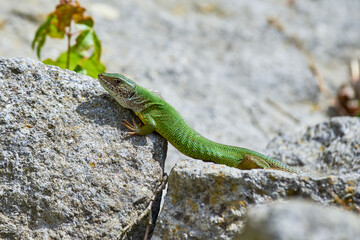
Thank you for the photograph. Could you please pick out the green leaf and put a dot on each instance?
(47, 28)
(75, 59)
(97, 46)
(49, 61)
(39, 38)
(80, 70)
(53, 30)
(93, 67)
(88, 21)
(84, 41)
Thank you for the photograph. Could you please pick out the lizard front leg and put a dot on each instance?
(138, 129)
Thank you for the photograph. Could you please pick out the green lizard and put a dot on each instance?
(158, 115)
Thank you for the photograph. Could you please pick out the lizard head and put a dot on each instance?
(121, 88)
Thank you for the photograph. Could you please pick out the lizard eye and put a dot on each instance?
(117, 81)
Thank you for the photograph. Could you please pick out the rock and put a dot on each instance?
(300, 220)
(66, 170)
(209, 201)
(331, 147)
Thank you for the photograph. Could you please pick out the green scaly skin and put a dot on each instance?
(157, 115)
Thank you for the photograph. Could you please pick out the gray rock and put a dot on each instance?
(331, 147)
(215, 197)
(66, 170)
(298, 221)
(209, 201)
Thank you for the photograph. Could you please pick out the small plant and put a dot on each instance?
(84, 55)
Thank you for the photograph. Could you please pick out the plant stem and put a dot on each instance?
(68, 47)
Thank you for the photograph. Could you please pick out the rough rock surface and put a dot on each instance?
(209, 201)
(66, 171)
(331, 147)
(300, 220)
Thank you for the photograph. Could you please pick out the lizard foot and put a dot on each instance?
(133, 127)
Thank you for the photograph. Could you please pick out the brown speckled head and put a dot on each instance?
(121, 88)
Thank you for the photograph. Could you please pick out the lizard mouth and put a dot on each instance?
(110, 83)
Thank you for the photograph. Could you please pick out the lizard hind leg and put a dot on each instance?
(250, 161)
